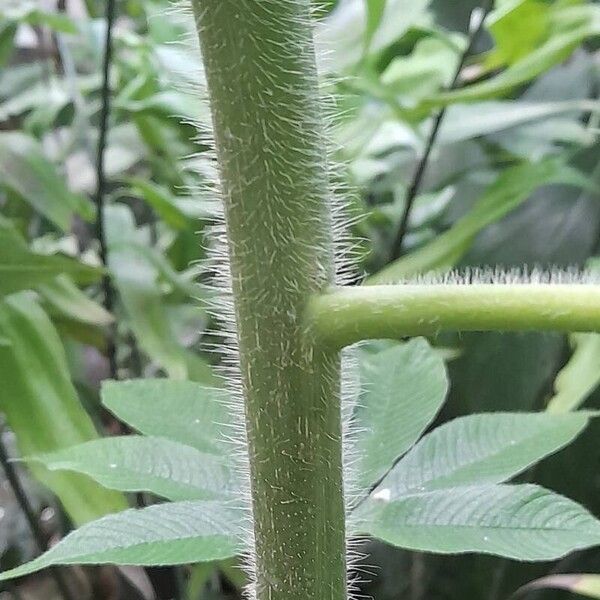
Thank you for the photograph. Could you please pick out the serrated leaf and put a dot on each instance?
(479, 450)
(524, 522)
(182, 411)
(163, 534)
(405, 387)
(41, 404)
(139, 463)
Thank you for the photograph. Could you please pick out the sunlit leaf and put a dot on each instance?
(340, 37)
(518, 27)
(558, 47)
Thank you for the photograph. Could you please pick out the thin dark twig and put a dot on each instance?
(107, 287)
(32, 520)
(421, 168)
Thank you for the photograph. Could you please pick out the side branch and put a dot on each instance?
(344, 316)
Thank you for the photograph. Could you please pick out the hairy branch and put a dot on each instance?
(347, 315)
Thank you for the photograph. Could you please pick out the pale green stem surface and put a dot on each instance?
(344, 316)
(260, 70)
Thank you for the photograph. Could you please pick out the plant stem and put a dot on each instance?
(31, 517)
(107, 287)
(415, 185)
(348, 315)
(262, 82)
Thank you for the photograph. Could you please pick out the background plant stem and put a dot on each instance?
(107, 287)
(31, 517)
(415, 185)
(260, 69)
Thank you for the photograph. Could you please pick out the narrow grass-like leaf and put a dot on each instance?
(556, 49)
(41, 404)
(31, 176)
(375, 10)
(524, 522)
(182, 411)
(584, 584)
(136, 276)
(64, 298)
(580, 376)
(405, 387)
(163, 534)
(478, 450)
(510, 190)
(140, 463)
(22, 269)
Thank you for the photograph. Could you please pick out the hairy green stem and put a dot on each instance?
(344, 316)
(261, 76)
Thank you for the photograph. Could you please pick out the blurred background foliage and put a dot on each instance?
(510, 178)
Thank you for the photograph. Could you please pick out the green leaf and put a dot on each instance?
(580, 376)
(405, 387)
(63, 297)
(28, 173)
(182, 411)
(511, 189)
(161, 201)
(578, 583)
(151, 464)
(429, 67)
(518, 27)
(136, 279)
(41, 404)
(463, 122)
(28, 11)
(559, 45)
(524, 522)
(478, 450)
(22, 269)
(8, 31)
(163, 534)
(375, 10)
(340, 37)
(56, 21)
